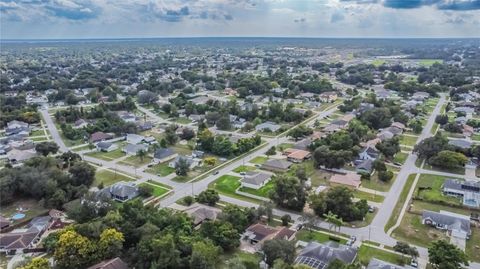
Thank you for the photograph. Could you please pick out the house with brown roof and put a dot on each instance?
(17, 241)
(297, 155)
(277, 165)
(200, 213)
(350, 180)
(99, 136)
(115, 263)
(257, 234)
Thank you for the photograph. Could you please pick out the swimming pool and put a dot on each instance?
(18, 216)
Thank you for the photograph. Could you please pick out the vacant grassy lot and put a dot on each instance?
(400, 157)
(429, 188)
(161, 169)
(400, 202)
(244, 168)
(284, 146)
(376, 184)
(109, 177)
(408, 140)
(312, 235)
(259, 160)
(107, 156)
(137, 161)
(263, 191)
(368, 196)
(158, 190)
(366, 253)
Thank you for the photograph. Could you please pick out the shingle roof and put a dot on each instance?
(256, 178)
(452, 222)
(163, 153)
(378, 264)
(115, 263)
(326, 253)
(277, 164)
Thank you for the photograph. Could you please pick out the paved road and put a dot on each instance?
(53, 131)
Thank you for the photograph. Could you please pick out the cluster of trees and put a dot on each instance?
(222, 146)
(361, 74)
(300, 132)
(146, 237)
(16, 108)
(289, 192)
(438, 152)
(46, 179)
(339, 201)
(410, 87)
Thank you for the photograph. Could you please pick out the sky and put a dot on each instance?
(57, 19)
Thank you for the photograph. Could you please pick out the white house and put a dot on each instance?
(255, 180)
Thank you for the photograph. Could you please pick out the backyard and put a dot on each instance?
(108, 177)
(161, 169)
(107, 156)
(429, 188)
(158, 190)
(136, 161)
(227, 185)
(259, 160)
(366, 253)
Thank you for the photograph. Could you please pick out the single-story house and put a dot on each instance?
(455, 224)
(351, 180)
(17, 127)
(420, 96)
(255, 180)
(257, 234)
(106, 146)
(267, 126)
(328, 96)
(297, 155)
(163, 155)
(277, 165)
(121, 191)
(80, 123)
(364, 166)
(19, 156)
(461, 143)
(200, 213)
(469, 191)
(99, 136)
(134, 138)
(303, 144)
(18, 240)
(319, 256)
(144, 125)
(192, 162)
(115, 263)
(132, 149)
(369, 153)
(378, 264)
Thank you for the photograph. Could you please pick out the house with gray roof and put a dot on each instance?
(200, 213)
(364, 166)
(378, 264)
(456, 225)
(255, 180)
(121, 191)
(461, 143)
(133, 149)
(106, 146)
(277, 165)
(267, 126)
(164, 154)
(191, 161)
(468, 191)
(319, 256)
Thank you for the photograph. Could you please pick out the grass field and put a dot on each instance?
(408, 140)
(259, 160)
(108, 178)
(376, 184)
(227, 185)
(107, 156)
(160, 169)
(249, 260)
(473, 245)
(429, 188)
(401, 200)
(366, 253)
(244, 168)
(307, 236)
(412, 230)
(400, 157)
(158, 190)
(378, 62)
(136, 161)
(263, 191)
(429, 62)
(368, 196)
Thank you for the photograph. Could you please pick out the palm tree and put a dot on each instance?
(333, 220)
(141, 154)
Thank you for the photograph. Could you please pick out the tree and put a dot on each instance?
(279, 249)
(237, 216)
(221, 233)
(111, 243)
(74, 251)
(188, 200)
(210, 161)
(441, 119)
(157, 252)
(271, 151)
(431, 146)
(170, 136)
(443, 255)
(299, 132)
(187, 134)
(448, 159)
(147, 97)
(339, 201)
(286, 219)
(37, 263)
(385, 176)
(389, 147)
(406, 249)
(416, 126)
(82, 173)
(334, 220)
(46, 148)
(141, 154)
(182, 167)
(204, 255)
(223, 123)
(288, 192)
(209, 197)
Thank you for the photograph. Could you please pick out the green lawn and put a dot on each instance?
(263, 191)
(259, 160)
(378, 62)
(376, 184)
(413, 231)
(244, 168)
(81, 148)
(158, 191)
(183, 120)
(227, 185)
(476, 137)
(161, 169)
(430, 62)
(37, 133)
(366, 253)
(400, 202)
(429, 188)
(368, 196)
(249, 260)
(136, 161)
(107, 156)
(312, 235)
(284, 146)
(400, 157)
(473, 245)
(108, 178)
(408, 140)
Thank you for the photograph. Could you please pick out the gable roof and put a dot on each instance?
(163, 153)
(349, 179)
(135, 148)
(277, 164)
(378, 264)
(318, 255)
(115, 263)
(448, 219)
(104, 145)
(200, 213)
(256, 178)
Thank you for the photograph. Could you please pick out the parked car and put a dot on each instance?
(371, 209)
(243, 173)
(216, 172)
(414, 263)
